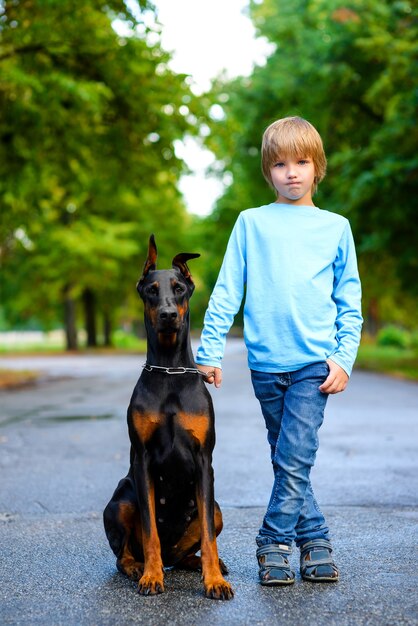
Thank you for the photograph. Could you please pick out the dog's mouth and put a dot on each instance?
(167, 339)
(167, 331)
(168, 328)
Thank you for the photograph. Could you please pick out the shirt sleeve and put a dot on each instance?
(347, 297)
(225, 300)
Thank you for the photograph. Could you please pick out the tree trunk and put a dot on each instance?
(70, 320)
(373, 317)
(107, 330)
(89, 302)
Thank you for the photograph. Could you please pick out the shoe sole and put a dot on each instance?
(277, 583)
(318, 579)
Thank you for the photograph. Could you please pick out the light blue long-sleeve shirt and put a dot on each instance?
(303, 294)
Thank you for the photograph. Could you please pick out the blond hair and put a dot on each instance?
(294, 137)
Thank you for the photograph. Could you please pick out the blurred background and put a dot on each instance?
(123, 118)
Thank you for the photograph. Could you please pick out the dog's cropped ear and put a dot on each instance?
(150, 263)
(180, 261)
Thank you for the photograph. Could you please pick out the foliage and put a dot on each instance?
(127, 341)
(388, 360)
(414, 340)
(88, 121)
(393, 336)
(351, 69)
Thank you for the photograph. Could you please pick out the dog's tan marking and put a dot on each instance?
(182, 309)
(151, 261)
(167, 340)
(146, 424)
(127, 562)
(129, 518)
(126, 513)
(215, 584)
(195, 424)
(152, 580)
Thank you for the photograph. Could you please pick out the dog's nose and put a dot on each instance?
(167, 315)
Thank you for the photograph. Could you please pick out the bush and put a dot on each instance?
(127, 341)
(414, 340)
(394, 336)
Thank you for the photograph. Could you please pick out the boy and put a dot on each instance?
(302, 323)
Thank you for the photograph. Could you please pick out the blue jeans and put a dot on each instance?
(293, 409)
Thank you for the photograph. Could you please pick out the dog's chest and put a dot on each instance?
(172, 417)
(171, 427)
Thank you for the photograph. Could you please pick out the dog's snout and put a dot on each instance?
(168, 315)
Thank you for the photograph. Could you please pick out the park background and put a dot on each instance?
(91, 118)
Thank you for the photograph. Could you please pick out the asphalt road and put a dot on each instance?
(64, 446)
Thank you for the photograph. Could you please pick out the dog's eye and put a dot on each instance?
(152, 291)
(178, 289)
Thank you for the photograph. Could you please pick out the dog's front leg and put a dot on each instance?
(152, 580)
(216, 586)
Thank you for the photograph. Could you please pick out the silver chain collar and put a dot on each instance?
(174, 370)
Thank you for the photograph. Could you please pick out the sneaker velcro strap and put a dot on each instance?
(314, 545)
(274, 548)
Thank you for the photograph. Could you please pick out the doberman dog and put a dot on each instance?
(164, 510)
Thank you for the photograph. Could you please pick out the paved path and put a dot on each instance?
(64, 446)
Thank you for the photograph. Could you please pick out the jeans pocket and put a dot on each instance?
(326, 370)
(262, 384)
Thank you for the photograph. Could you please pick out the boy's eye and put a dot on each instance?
(279, 164)
(303, 161)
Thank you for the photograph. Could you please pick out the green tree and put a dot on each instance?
(87, 164)
(351, 69)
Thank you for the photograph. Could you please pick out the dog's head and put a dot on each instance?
(166, 293)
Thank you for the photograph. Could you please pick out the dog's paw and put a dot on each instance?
(150, 585)
(219, 589)
(130, 568)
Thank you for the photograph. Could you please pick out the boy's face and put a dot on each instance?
(293, 179)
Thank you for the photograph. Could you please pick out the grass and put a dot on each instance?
(48, 344)
(399, 362)
(9, 379)
(30, 348)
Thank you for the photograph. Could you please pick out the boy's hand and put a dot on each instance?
(213, 374)
(336, 380)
